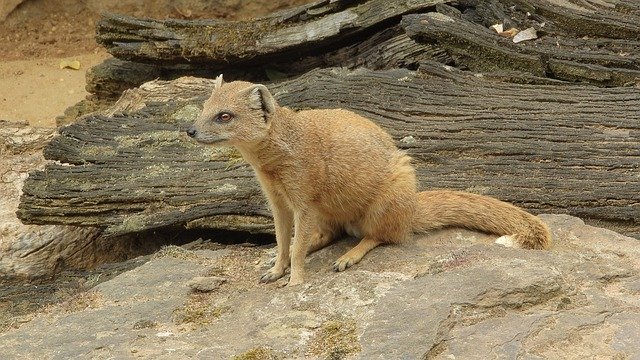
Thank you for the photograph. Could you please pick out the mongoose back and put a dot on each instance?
(325, 172)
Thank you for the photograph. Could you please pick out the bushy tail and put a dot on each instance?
(444, 208)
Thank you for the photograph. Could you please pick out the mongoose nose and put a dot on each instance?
(191, 132)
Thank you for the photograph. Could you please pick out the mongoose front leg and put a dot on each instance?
(304, 229)
(283, 219)
(356, 254)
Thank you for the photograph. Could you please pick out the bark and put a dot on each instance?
(282, 34)
(593, 42)
(384, 49)
(549, 148)
(603, 62)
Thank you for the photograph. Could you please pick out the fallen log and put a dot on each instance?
(603, 62)
(385, 49)
(279, 35)
(594, 42)
(549, 148)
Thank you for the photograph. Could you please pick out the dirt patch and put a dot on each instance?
(37, 91)
(38, 34)
(60, 28)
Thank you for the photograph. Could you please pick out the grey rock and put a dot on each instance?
(452, 294)
(33, 250)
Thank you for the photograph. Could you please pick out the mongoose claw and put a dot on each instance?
(271, 276)
(342, 264)
(271, 262)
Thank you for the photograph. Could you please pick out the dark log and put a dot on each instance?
(385, 49)
(549, 148)
(594, 42)
(289, 33)
(603, 62)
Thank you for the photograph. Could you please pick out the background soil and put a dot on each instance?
(38, 34)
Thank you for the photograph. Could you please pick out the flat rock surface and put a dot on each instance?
(449, 294)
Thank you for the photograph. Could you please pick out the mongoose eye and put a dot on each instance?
(224, 117)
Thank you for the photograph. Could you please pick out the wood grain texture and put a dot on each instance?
(600, 61)
(595, 42)
(301, 30)
(548, 148)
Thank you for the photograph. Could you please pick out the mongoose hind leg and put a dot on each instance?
(389, 216)
(322, 237)
(356, 254)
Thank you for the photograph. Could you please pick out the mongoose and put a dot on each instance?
(325, 172)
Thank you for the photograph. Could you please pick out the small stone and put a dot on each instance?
(206, 283)
(408, 140)
(526, 34)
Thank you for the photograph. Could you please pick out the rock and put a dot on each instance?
(205, 283)
(27, 250)
(30, 251)
(451, 294)
(6, 7)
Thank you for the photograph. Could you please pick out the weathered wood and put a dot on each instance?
(216, 42)
(114, 76)
(586, 18)
(570, 149)
(596, 42)
(603, 62)
(385, 49)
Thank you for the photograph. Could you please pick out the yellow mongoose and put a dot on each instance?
(329, 171)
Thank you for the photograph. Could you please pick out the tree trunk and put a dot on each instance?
(548, 148)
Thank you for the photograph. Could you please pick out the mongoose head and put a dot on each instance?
(237, 113)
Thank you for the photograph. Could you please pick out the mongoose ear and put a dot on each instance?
(261, 99)
(217, 82)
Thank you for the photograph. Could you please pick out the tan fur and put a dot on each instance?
(329, 171)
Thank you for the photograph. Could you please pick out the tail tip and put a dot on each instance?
(508, 241)
(513, 241)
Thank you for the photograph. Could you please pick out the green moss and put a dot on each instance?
(187, 113)
(132, 224)
(98, 151)
(334, 340)
(259, 353)
(198, 310)
(217, 39)
(176, 252)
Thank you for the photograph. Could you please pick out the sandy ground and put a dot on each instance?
(38, 90)
(37, 34)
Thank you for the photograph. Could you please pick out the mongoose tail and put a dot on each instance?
(444, 208)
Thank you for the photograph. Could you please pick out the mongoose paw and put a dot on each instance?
(271, 262)
(271, 275)
(343, 263)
